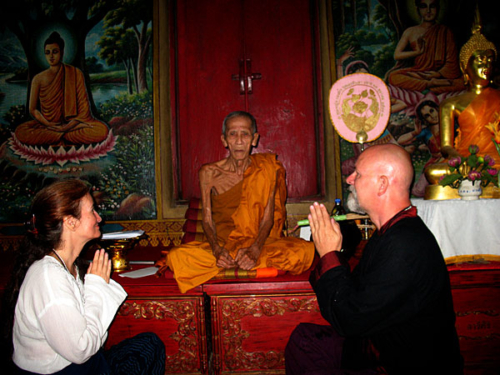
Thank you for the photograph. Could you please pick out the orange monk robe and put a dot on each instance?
(237, 214)
(472, 131)
(63, 100)
(440, 55)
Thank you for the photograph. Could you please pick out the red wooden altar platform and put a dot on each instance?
(242, 326)
(251, 321)
(156, 305)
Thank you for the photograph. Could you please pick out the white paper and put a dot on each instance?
(143, 272)
(305, 233)
(122, 235)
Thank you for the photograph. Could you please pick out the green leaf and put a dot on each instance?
(472, 161)
(449, 179)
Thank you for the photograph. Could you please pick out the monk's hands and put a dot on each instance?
(247, 257)
(325, 231)
(101, 265)
(224, 260)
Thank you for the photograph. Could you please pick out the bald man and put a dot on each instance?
(395, 308)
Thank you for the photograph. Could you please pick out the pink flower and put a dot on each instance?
(489, 160)
(473, 149)
(492, 171)
(455, 161)
(474, 175)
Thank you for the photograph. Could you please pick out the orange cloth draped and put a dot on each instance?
(63, 100)
(472, 131)
(440, 55)
(239, 212)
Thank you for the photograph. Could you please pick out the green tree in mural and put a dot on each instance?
(120, 46)
(25, 18)
(383, 23)
(354, 12)
(390, 9)
(93, 65)
(135, 15)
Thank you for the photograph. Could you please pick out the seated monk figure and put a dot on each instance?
(59, 105)
(426, 55)
(468, 114)
(243, 198)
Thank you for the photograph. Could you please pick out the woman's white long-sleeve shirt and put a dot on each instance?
(58, 319)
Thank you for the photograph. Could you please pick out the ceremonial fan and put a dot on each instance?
(360, 107)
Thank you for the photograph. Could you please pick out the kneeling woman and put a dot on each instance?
(58, 318)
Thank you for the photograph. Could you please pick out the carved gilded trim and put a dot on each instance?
(232, 335)
(190, 334)
(163, 233)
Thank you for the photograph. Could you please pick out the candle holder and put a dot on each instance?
(118, 244)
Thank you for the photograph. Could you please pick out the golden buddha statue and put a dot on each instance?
(471, 111)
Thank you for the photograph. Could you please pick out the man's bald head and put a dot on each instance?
(392, 161)
(382, 180)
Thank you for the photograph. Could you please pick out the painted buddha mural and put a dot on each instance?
(60, 108)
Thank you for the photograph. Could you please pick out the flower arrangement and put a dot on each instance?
(473, 168)
(494, 128)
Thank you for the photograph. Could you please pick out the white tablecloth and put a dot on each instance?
(465, 230)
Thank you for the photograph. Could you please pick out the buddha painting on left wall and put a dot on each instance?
(76, 100)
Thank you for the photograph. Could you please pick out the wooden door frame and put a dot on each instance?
(168, 208)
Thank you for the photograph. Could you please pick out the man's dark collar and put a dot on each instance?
(410, 211)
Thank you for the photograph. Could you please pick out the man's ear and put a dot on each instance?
(383, 185)
(223, 139)
(255, 139)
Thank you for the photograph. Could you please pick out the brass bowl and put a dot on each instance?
(118, 251)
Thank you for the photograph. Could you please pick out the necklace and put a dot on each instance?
(75, 278)
(61, 261)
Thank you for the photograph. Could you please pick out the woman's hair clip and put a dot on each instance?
(31, 226)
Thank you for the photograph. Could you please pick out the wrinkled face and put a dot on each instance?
(427, 9)
(480, 65)
(239, 138)
(53, 54)
(88, 224)
(430, 114)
